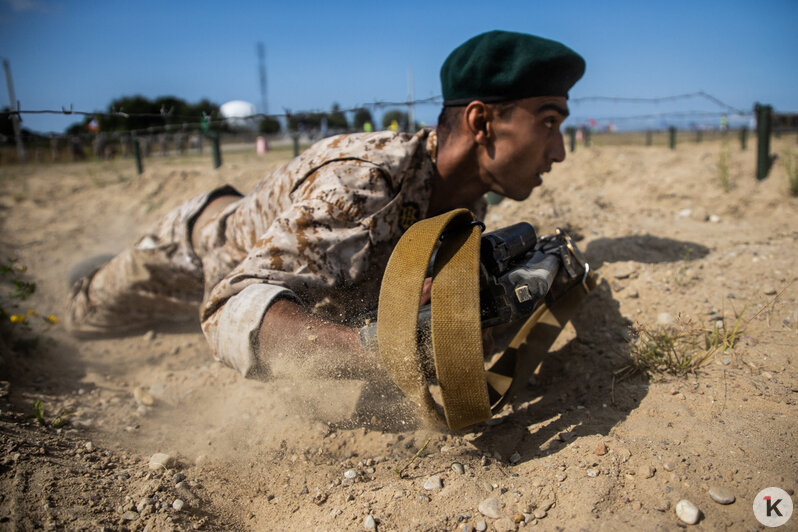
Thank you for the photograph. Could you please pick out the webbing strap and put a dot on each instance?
(456, 332)
(469, 393)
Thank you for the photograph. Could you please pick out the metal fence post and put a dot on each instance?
(137, 155)
(763, 124)
(648, 137)
(672, 135)
(217, 150)
(743, 138)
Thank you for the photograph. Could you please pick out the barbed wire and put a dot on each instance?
(664, 99)
(187, 124)
(652, 116)
(437, 100)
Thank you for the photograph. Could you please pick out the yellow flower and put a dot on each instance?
(32, 312)
(52, 319)
(18, 318)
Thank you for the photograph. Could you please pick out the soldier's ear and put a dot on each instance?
(477, 117)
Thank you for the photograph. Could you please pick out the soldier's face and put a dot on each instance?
(524, 144)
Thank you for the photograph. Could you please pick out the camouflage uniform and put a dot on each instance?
(318, 230)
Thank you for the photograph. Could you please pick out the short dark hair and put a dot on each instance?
(451, 114)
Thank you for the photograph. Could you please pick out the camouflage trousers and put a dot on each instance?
(157, 281)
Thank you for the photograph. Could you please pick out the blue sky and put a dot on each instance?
(85, 54)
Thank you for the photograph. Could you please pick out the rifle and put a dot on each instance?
(519, 271)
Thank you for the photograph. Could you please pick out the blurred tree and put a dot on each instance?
(336, 119)
(304, 121)
(362, 115)
(140, 105)
(269, 126)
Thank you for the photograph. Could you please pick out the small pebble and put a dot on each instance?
(178, 504)
(433, 483)
(721, 495)
(179, 477)
(89, 446)
(668, 466)
(130, 515)
(561, 477)
(646, 471)
(161, 461)
(143, 503)
(481, 526)
(592, 473)
(457, 467)
(688, 512)
(515, 458)
(490, 508)
(370, 523)
(350, 473)
(540, 513)
(601, 448)
(714, 218)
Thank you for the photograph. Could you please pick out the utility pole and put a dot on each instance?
(14, 107)
(264, 105)
(410, 119)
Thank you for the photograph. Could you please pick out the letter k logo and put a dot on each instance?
(772, 507)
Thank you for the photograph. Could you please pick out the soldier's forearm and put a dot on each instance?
(311, 344)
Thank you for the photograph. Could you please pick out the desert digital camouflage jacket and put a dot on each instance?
(319, 229)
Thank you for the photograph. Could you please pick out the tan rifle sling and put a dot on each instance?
(469, 393)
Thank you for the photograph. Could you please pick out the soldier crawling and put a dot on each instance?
(308, 247)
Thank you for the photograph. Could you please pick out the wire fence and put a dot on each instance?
(190, 133)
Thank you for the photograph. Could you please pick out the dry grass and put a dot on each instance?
(680, 350)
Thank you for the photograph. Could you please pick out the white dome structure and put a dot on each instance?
(235, 113)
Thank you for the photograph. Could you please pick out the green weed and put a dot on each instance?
(791, 165)
(679, 350)
(724, 175)
(56, 422)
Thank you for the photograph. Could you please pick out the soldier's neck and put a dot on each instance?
(457, 183)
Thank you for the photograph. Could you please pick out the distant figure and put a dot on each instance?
(368, 127)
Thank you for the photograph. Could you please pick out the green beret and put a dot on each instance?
(501, 65)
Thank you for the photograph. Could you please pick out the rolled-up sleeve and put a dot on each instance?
(323, 242)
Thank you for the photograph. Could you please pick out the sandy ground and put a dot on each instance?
(578, 450)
